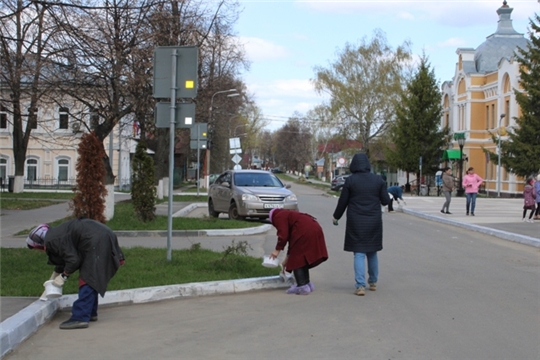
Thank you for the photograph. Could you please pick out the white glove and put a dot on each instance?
(59, 280)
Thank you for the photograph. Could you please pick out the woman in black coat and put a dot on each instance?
(87, 246)
(362, 195)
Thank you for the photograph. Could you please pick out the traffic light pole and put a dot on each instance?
(172, 128)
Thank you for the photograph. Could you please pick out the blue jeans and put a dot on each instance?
(360, 268)
(471, 201)
(86, 305)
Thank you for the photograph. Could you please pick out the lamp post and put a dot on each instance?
(460, 137)
(499, 157)
(206, 169)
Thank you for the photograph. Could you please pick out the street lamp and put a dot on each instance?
(460, 137)
(206, 169)
(499, 157)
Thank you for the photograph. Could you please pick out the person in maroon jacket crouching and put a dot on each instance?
(87, 246)
(307, 247)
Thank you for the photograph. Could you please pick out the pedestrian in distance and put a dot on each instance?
(447, 188)
(471, 183)
(396, 193)
(87, 246)
(529, 200)
(537, 192)
(306, 246)
(362, 196)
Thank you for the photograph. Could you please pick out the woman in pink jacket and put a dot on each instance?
(471, 183)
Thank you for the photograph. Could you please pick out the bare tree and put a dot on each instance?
(208, 26)
(26, 35)
(293, 142)
(364, 83)
(101, 41)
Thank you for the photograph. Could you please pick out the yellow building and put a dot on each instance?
(480, 102)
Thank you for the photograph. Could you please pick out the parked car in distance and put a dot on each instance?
(276, 171)
(249, 193)
(337, 182)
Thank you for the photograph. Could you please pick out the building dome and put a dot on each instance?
(502, 44)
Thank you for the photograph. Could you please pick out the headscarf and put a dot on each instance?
(36, 238)
(271, 213)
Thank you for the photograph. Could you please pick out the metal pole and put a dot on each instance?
(198, 159)
(120, 156)
(499, 166)
(499, 157)
(171, 151)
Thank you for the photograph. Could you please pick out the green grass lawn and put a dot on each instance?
(126, 219)
(23, 271)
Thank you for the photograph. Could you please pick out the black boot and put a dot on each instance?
(302, 276)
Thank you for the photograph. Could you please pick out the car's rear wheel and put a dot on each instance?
(211, 211)
(233, 212)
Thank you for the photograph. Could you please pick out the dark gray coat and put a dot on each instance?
(88, 246)
(362, 195)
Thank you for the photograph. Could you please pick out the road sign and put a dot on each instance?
(234, 143)
(187, 62)
(236, 159)
(341, 161)
(201, 144)
(199, 131)
(184, 114)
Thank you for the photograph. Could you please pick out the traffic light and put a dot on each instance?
(199, 131)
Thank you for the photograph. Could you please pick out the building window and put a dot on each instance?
(94, 119)
(493, 123)
(487, 117)
(3, 169)
(31, 169)
(3, 117)
(507, 112)
(63, 169)
(63, 118)
(32, 117)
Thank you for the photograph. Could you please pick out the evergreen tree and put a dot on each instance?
(416, 131)
(520, 154)
(90, 192)
(143, 191)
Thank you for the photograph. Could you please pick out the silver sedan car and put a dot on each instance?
(249, 193)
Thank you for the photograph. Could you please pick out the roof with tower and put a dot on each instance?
(501, 44)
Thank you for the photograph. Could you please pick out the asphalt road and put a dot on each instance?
(443, 293)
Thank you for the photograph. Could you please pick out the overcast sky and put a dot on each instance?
(285, 40)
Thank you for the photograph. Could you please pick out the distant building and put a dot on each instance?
(481, 90)
(52, 155)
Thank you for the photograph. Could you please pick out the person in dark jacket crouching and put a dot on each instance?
(306, 246)
(85, 245)
(362, 195)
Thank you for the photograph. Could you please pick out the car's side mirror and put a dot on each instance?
(287, 186)
(226, 184)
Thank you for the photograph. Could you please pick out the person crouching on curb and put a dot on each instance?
(85, 245)
(307, 247)
(397, 194)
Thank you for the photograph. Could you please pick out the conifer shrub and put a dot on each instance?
(90, 192)
(143, 191)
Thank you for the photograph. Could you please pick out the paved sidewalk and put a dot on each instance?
(23, 316)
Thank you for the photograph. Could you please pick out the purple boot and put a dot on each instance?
(311, 286)
(303, 290)
(291, 290)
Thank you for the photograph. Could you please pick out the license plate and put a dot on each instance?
(273, 206)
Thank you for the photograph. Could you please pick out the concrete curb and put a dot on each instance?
(26, 322)
(522, 239)
(221, 232)
(185, 211)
